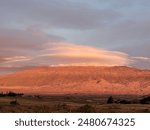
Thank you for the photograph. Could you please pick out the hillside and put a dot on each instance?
(93, 80)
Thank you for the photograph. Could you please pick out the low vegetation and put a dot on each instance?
(16, 102)
(11, 94)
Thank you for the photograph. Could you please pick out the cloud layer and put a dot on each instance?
(72, 54)
(24, 48)
(74, 32)
(54, 14)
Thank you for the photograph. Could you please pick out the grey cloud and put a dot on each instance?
(55, 13)
(18, 47)
(22, 42)
(129, 36)
(127, 32)
(140, 50)
(143, 63)
(2, 59)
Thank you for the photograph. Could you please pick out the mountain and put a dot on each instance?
(82, 80)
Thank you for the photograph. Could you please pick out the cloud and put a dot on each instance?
(141, 62)
(23, 42)
(141, 58)
(18, 47)
(120, 25)
(73, 54)
(54, 14)
(24, 48)
(65, 53)
(16, 59)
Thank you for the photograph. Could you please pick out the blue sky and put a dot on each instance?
(44, 32)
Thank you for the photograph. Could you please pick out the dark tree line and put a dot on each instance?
(144, 100)
(11, 94)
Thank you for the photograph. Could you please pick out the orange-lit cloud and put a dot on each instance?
(16, 59)
(25, 49)
(73, 54)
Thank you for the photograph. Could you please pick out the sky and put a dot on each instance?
(74, 32)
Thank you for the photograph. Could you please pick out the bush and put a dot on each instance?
(2, 95)
(12, 94)
(110, 100)
(14, 102)
(145, 100)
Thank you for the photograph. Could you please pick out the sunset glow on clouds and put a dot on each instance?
(45, 50)
(73, 54)
(87, 33)
(58, 52)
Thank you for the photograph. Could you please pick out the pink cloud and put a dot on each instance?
(73, 54)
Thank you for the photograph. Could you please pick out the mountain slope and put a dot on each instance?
(100, 80)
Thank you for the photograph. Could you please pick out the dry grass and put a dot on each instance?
(70, 103)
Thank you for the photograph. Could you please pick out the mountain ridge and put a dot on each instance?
(78, 79)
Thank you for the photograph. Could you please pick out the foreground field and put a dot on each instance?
(72, 103)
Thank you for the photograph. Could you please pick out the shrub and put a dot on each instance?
(145, 100)
(14, 102)
(12, 94)
(110, 100)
